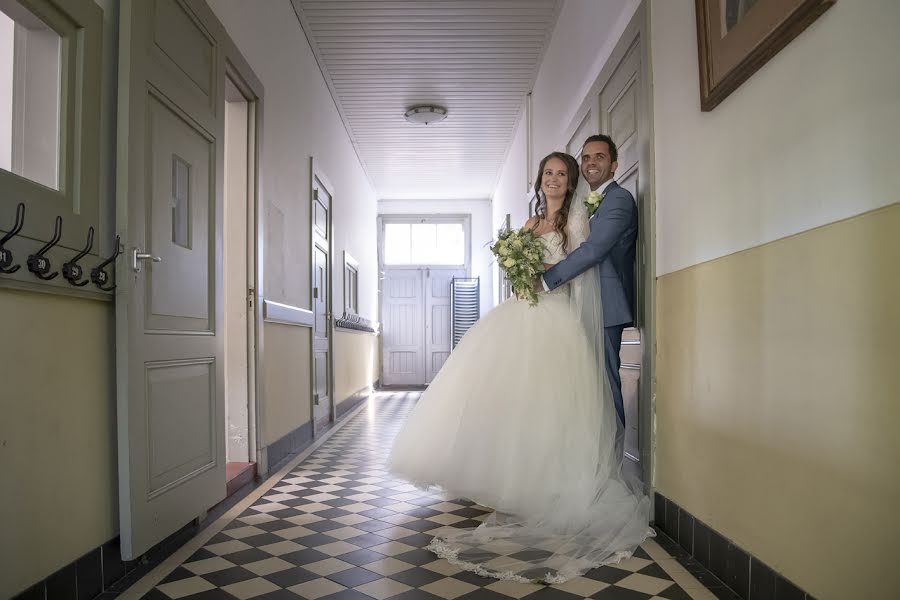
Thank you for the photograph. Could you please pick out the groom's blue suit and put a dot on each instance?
(610, 246)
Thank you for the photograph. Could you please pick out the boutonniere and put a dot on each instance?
(592, 202)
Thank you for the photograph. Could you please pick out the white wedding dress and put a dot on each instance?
(520, 419)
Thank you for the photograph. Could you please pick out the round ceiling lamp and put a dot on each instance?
(426, 114)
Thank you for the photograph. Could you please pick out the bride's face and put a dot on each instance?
(554, 179)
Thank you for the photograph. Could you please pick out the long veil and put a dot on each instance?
(601, 518)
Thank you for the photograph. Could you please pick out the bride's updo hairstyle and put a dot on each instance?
(562, 216)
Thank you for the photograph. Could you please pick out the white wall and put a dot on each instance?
(831, 105)
(775, 363)
(301, 120)
(7, 32)
(510, 193)
(481, 235)
(585, 35)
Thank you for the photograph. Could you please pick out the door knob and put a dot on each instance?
(137, 256)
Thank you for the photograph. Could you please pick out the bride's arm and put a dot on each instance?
(531, 223)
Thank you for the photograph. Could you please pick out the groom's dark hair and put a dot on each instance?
(600, 137)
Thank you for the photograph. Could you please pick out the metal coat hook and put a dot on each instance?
(6, 256)
(40, 264)
(101, 277)
(72, 271)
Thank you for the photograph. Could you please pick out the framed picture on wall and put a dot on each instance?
(735, 38)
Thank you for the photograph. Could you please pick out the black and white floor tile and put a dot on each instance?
(334, 525)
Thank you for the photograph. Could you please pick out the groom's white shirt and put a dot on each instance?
(599, 190)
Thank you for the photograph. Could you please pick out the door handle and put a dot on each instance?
(137, 256)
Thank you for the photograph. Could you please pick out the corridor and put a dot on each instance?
(234, 235)
(333, 525)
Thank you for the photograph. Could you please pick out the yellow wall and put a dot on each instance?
(57, 434)
(57, 408)
(355, 363)
(778, 339)
(299, 121)
(286, 371)
(778, 402)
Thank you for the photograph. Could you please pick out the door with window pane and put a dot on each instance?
(420, 257)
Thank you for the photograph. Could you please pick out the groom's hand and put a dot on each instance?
(538, 285)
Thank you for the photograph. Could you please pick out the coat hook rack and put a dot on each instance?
(100, 277)
(6, 256)
(40, 264)
(72, 271)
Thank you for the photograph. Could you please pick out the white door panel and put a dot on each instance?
(403, 349)
(621, 115)
(170, 399)
(438, 341)
(322, 367)
(321, 364)
(417, 332)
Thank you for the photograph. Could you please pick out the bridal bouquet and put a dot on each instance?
(520, 253)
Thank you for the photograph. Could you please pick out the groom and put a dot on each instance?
(609, 246)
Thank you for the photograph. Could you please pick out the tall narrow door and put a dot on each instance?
(403, 351)
(322, 400)
(438, 330)
(622, 115)
(169, 308)
(321, 367)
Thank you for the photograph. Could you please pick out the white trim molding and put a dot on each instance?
(275, 312)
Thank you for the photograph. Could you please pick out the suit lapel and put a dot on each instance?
(612, 185)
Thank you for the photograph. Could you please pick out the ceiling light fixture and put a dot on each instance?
(426, 114)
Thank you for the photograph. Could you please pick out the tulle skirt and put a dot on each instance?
(518, 420)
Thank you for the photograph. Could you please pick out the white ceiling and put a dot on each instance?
(477, 58)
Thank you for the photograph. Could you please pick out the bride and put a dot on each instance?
(520, 419)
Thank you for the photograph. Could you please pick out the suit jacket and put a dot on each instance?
(610, 246)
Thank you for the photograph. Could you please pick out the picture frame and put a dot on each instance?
(735, 38)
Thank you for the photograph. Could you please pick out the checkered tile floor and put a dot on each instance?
(337, 526)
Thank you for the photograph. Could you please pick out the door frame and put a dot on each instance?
(316, 172)
(386, 218)
(636, 32)
(238, 70)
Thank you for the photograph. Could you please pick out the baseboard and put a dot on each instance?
(299, 439)
(288, 445)
(100, 569)
(403, 388)
(351, 402)
(746, 575)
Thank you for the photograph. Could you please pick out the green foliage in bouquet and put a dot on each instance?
(520, 252)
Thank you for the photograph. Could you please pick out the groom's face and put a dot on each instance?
(597, 166)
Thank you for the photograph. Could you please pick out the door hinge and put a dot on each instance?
(250, 293)
(316, 399)
(315, 293)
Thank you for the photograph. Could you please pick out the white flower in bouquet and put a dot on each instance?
(520, 253)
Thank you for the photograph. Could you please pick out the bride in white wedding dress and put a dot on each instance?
(521, 419)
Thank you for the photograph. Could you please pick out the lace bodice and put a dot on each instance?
(554, 253)
(553, 250)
